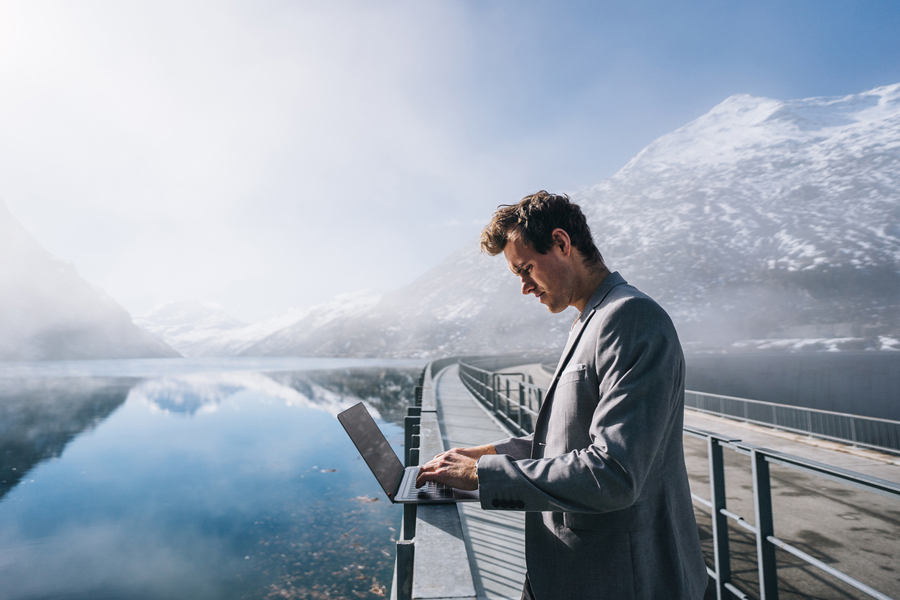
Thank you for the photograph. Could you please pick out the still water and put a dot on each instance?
(166, 480)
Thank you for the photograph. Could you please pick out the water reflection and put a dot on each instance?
(38, 417)
(204, 392)
(237, 485)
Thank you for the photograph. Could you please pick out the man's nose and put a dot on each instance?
(527, 286)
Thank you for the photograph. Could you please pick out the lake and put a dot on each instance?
(181, 478)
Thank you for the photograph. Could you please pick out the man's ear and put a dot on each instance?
(562, 241)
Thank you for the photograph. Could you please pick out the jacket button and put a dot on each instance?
(520, 504)
(495, 503)
(504, 504)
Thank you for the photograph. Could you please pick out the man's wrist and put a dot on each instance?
(488, 449)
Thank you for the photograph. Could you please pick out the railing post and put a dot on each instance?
(521, 402)
(408, 527)
(410, 427)
(765, 527)
(494, 395)
(405, 557)
(719, 520)
(506, 404)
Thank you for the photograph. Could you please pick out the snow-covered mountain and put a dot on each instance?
(761, 220)
(765, 219)
(196, 328)
(318, 322)
(201, 329)
(47, 311)
(464, 305)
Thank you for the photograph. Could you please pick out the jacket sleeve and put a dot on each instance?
(640, 378)
(516, 448)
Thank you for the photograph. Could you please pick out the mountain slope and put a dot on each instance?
(47, 311)
(469, 304)
(765, 218)
(194, 328)
(761, 219)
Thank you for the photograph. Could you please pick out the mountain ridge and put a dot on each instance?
(762, 224)
(49, 312)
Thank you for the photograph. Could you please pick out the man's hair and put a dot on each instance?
(533, 220)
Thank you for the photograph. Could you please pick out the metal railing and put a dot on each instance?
(515, 402)
(867, 432)
(763, 528)
(431, 561)
(491, 389)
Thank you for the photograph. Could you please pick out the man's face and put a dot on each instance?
(547, 276)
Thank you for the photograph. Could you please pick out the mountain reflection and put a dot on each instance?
(38, 417)
(386, 391)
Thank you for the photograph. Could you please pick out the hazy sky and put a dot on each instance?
(263, 155)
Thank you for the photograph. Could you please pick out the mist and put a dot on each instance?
(300, 179)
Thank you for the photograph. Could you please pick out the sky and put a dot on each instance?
(268, 155)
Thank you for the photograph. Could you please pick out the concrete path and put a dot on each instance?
(495, 539)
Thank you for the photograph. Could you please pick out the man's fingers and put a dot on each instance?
(431, 470)
(452, 468)
(425, 472)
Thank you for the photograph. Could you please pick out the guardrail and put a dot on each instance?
(505, 400)
(882, 435)
(516, 402)
(432, 561)
(867, 432)
(763, 527)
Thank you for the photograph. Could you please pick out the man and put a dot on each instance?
(602, 478)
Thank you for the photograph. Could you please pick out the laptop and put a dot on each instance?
(399, 483)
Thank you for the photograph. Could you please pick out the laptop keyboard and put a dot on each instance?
(431, 490)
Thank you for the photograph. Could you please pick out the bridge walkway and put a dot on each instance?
(495, 540)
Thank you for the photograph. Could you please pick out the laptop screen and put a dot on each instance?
(373, 447)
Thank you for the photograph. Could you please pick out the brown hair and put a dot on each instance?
(533, 219)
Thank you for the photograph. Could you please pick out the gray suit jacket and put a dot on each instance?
(603, 476)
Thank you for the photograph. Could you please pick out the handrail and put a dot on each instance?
(516, 405)
(868, 432)
(485, 386)
(432, 561)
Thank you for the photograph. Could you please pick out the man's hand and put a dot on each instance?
(455, 467)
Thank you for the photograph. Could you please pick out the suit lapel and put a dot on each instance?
(574, 336)
(611, 281)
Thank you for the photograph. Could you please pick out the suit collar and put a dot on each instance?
(605, 287)
(612, 280)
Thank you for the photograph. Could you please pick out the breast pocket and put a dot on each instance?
(572, 374)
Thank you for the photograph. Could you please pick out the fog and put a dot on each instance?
(263, 157)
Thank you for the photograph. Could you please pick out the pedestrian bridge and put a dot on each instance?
(781, 513)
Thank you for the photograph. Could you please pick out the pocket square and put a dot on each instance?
(573, 367)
